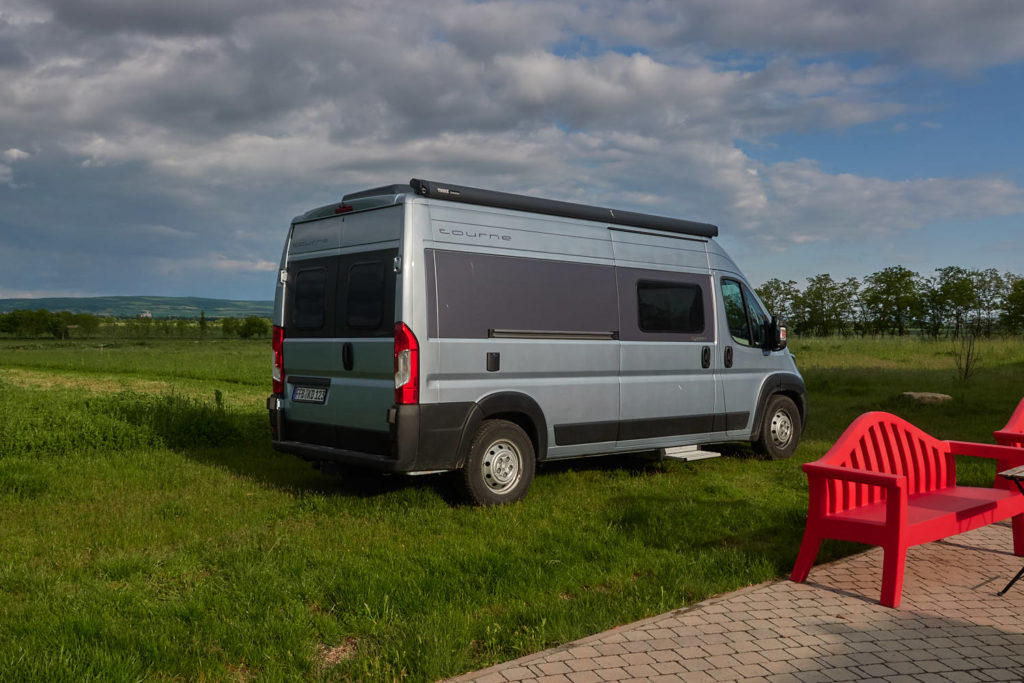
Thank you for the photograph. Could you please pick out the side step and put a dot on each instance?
(686, 453)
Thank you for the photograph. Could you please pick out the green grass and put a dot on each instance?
(147, 529)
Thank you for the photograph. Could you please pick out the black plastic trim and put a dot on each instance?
(780, 383)
(552, 207)
(509, 404)
(309, 381)
(653, 428)
(315, 452)
(428, 436)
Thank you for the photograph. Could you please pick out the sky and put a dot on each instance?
(150, 147)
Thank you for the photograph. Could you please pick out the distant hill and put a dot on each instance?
(133, 306)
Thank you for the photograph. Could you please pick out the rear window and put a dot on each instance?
(365, 296)
(310, 295)
(349, 295)
(670, 307)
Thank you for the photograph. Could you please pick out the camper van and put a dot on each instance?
(431, 327)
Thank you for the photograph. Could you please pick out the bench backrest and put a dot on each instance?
(882, 442)
(1013, 433)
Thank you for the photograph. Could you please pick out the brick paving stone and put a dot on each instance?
(552, 668)
(515, 673)
(813, 677)
(667, 667)
(841, 674)
(584, 677)
(612, 674)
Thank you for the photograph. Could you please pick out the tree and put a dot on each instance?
(1013, 305)
(202, 323)
(956, 297)
(891, 298)
(825, 307)
(990, 288)
(778, 296)
(229, 326)
(253, 326)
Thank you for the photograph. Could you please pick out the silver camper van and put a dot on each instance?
(430, 327)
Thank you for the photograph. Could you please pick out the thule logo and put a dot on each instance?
(475, 234)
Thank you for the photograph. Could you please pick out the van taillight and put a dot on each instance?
(407, 366)
(278, 371)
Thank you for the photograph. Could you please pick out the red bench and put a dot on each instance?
(1013, 433)
(887, 483)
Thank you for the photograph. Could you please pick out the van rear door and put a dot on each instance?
(339, 322)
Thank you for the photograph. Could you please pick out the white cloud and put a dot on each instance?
(15, 154)
(845, 207)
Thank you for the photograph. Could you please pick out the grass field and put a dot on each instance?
(148, 531)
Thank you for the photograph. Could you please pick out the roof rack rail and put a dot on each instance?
(519, 202)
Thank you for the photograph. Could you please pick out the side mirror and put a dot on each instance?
(775, 337)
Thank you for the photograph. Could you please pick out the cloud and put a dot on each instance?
(14, 154)
(849, 208)
(161, 126)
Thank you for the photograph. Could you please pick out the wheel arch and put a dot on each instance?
(520, 409)
(784, 384)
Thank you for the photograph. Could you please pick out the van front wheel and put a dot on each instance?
(780, 429)
(499, 466)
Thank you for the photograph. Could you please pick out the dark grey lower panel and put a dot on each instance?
(421, 438)
(630, 430)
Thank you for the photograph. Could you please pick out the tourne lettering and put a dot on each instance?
(471, 233)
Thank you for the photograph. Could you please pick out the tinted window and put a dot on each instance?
(735, 312)
(670, 307)
(475, 295)
(365, 296)
(757, 316)
(309, 299)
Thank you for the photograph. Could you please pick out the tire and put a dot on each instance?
(780, 429)
(499, 466)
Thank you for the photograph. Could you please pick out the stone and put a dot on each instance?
(925, 397)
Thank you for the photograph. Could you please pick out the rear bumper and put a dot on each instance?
(420, 438)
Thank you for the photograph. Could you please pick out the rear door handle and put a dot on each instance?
(728, 356)
(705, 357)
(347, 359)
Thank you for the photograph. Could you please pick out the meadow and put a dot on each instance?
(148, 530)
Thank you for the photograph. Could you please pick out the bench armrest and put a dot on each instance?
(1016, 437)
(894, 485)
(884, 479)
(1011, 455)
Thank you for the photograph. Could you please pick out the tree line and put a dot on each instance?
(898, 301)
(65, 325)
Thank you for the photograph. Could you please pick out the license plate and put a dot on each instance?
(309, 394)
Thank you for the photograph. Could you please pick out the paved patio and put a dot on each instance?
(950, 626)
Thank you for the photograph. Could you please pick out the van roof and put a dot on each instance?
(389, 194)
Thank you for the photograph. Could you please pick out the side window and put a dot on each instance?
(365, 299)
(309, 299)
(670, 307)
(736, 312)
(757, 316)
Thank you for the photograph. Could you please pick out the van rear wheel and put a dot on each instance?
(500, 464)
(780, 429)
